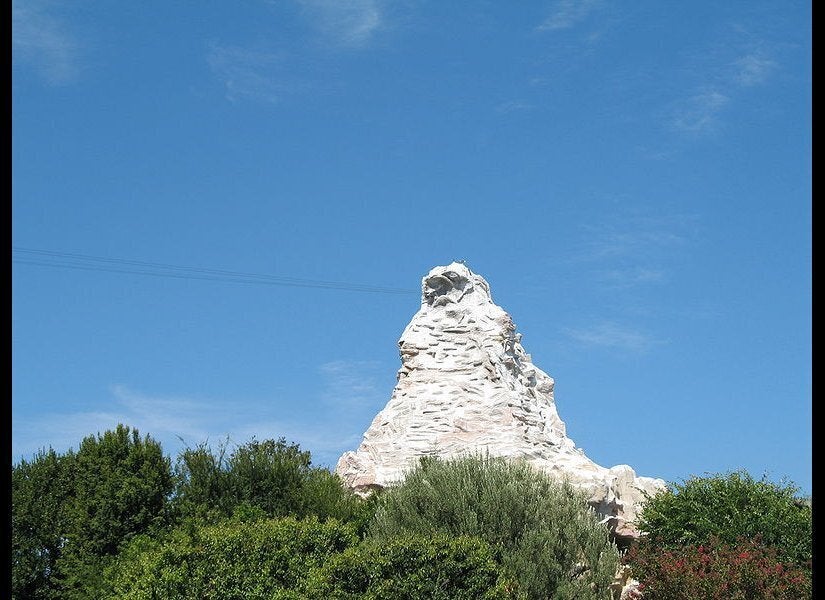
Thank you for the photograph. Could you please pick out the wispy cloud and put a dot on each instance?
(261, 74)
(60, 431)
(248, 74)
(699, 114)
(173, 420)
(514, 106)
(609, 334)
(331, 422)
(169, 415)
(633, 276)
(350, 384)
(626, 256)
(631, 251)
(345, 22)
(41, 41)
(723, 75)
(567, 13)
(753, 69)
(633, 237)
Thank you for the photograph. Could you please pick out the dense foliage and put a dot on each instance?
(232, 560)
(71, 513)
(434, 567)
(113, 519)
(270, 478)
(41, 490)
(748, 570)
(729, 507)
(539, 529)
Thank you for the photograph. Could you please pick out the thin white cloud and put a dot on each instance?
(699, 114)
(350, 384)
(753, 69)
(59, 431)
(632, 276)
(345, 22)
(248, 74)
(41, 41)
(632, 238)
(609, 334)
(168, 415)
(513, 106)
(172, 420)
(331, 422)
(567, 13)
(631, 249)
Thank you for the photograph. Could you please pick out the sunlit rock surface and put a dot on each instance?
(467, 385)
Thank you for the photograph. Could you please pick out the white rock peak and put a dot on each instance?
(466, 385)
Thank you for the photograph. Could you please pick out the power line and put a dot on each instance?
(86, 262)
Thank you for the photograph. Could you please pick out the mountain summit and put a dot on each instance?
(466, 385)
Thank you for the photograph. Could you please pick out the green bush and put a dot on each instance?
(233, 560)
(434, 568)
(729, 507)
(717, 571)
(539, 529)
(326, 497)
(271, 478)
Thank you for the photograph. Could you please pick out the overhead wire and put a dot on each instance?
(86, 262)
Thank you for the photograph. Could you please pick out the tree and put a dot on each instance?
(271, 478)
(539, 529)
(202, 486)
(41, 490)
(121, 484)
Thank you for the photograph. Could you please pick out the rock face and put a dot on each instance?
(466, 385)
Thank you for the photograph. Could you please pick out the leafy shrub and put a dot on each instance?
(232, 560)
(272, 478)
(326, 497)
(747, 570)
(435, 568)
(539, 529)
(729, 507)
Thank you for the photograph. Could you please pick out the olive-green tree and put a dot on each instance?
(539, 529)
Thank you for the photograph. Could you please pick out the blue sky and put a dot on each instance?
(633, 180)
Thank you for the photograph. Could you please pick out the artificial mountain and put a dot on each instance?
(466, 385)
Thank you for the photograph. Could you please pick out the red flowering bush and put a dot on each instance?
(747, 570)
